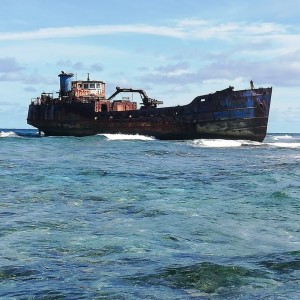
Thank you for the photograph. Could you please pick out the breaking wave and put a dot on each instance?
(219, 143)
(288, 142)
(291, 141)
(18, 133)
(128, 137)
(282, 137)
(285, 145)
(4, 134)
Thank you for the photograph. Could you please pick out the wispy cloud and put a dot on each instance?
(10, 69)
(80, 66)
(183, 29)
(9, 64)
(80, 31)
(282, 70)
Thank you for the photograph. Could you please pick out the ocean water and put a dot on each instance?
(131, 217)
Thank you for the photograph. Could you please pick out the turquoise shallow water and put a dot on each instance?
(130, 217)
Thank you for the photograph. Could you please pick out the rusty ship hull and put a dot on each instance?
(225, 114)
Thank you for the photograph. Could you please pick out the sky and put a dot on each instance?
(174, 50)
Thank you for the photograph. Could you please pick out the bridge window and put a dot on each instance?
(91, 86)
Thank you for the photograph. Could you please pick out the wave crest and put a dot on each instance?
(119, 136)
(282, 137)
(4, 134)
(219, 143)
(285, 145)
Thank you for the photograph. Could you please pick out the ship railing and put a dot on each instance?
(49, 100)
(36, 101)
(40, 101)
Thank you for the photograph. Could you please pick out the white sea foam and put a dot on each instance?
(4, 134)
(285, 145)
(219, 143)
(127, 137)
(282, 137)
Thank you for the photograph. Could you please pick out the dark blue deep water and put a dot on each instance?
(130, 217)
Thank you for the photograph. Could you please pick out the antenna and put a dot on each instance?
(88, 79)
